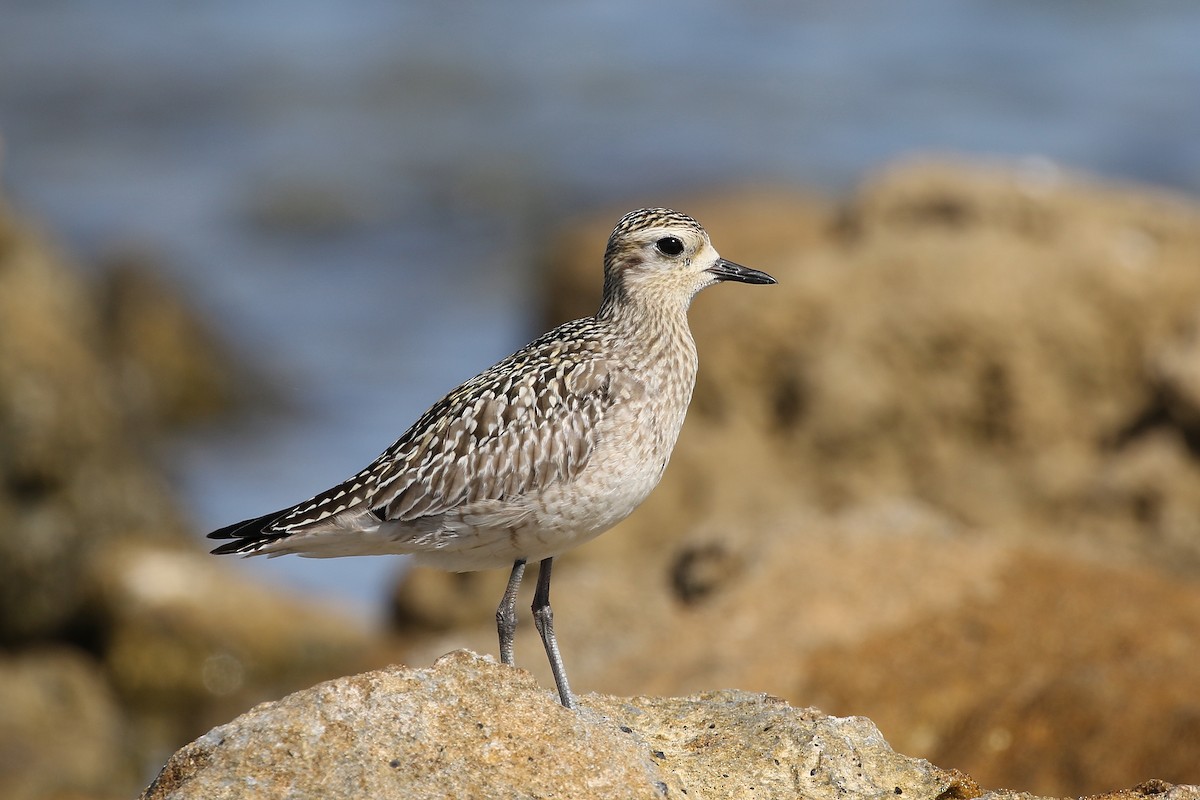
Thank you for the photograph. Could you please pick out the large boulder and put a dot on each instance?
(468, 727)
(62, 732)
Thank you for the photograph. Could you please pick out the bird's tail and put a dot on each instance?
(250, 535)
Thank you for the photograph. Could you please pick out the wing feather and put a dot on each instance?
(499, 446)
(523, 425)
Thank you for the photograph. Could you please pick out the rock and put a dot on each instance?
(71, 477)
(168, 363)
(86, 379)
(1151, 481)
(1152, 788)
(468, 727)
(432, 600)
(62, 733)
(1175, 369)
(189, 641)
(1068, 675)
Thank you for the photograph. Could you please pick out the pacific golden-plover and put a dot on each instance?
(545, 450)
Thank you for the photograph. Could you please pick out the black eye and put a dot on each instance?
(669, 246)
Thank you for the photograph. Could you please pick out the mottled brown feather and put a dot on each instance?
(502, 434)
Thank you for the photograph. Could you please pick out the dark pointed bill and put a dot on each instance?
(729, 271)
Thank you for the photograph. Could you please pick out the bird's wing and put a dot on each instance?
(533, 430)
(525, 424)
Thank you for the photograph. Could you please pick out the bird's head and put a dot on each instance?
(660, 255)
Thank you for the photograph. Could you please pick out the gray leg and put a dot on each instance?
(506, 614)
(543, 617)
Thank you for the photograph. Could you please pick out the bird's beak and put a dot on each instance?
(729, 271)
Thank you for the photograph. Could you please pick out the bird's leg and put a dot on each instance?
(506, 614)
(543, 617)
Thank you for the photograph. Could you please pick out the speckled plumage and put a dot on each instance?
(548, 448)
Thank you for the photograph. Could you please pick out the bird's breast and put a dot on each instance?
(635, 438)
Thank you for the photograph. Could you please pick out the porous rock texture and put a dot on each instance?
(468, 727)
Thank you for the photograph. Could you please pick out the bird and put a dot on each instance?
(541, 452)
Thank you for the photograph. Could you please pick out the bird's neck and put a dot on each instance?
(645, 314)
(656, 326)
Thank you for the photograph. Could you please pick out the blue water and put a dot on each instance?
(439, 142)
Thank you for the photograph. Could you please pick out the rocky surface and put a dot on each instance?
(945, 475)
(62, 731)
(167, 363)
(468, 727)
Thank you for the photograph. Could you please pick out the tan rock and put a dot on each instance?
(165, 358)
(1068, 676)
(74, 478)
(1175, 369)
(62, 734)
(190, 641)
(468, 727)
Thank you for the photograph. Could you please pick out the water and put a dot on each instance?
(352, 190)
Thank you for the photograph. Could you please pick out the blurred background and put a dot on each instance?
(351, 203)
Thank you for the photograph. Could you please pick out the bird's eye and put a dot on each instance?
(669, 246)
